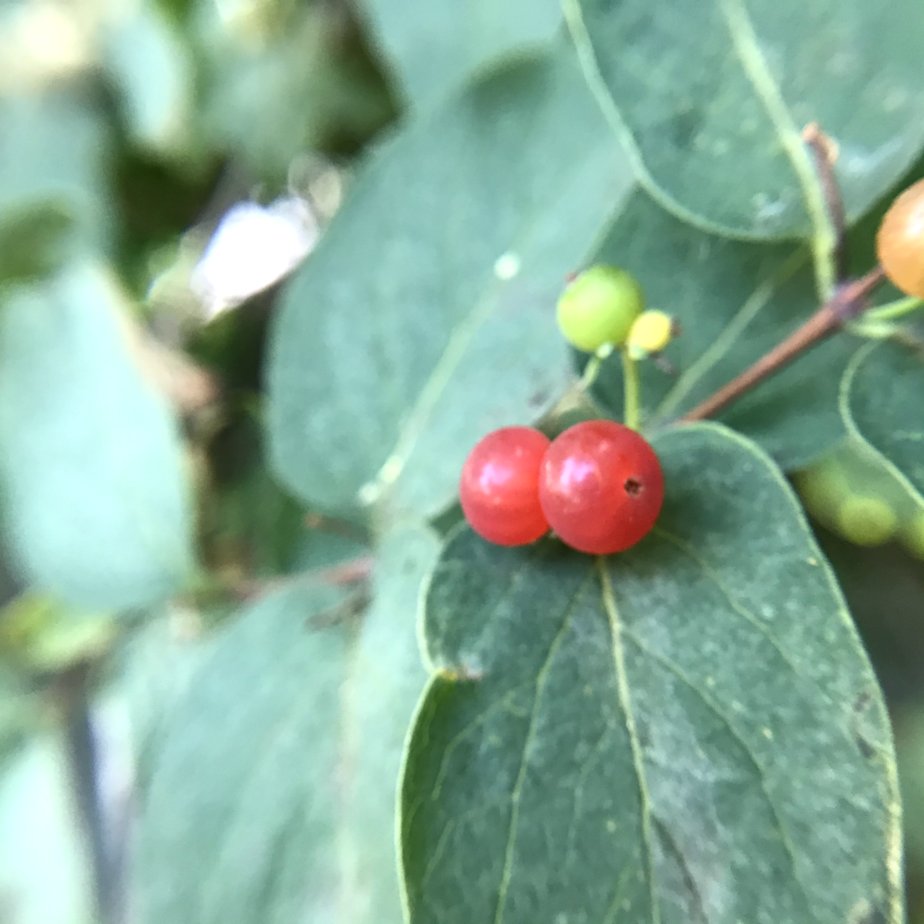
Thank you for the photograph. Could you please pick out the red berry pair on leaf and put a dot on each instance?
(598, 485)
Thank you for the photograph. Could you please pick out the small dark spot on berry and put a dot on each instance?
(632, 487)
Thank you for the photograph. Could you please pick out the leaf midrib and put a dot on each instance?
(746, 46)
(625, 704)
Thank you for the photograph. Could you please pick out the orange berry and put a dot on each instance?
(900, 241)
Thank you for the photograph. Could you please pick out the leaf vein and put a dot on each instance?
(675, 670)
(590, 760)
(625, 703)
(517, 793)
(503, 704)
(612, 912)
(689, 879)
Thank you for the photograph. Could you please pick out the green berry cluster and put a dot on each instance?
(855, 497)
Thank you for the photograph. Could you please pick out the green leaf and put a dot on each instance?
(910, 745)
(147, 64)
(45, 872)
(711, 98)
(881, 404)
(23, 707)
(687, 732)
(385, 679)
(294, 720)
(734, 301)
(241, 783)
(304, 85)
(40, 635)
(32, 241)
(93, 482)
(435, 281)
(445, 42)
(54, 156)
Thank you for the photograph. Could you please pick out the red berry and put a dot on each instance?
(499, 488)
(601, 487)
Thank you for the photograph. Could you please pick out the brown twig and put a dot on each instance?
(70, 693)
(824, 153)
(188, 386)
(849, 302)
(353, 571)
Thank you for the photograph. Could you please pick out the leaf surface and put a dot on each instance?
(445, 42)
(711, 98)
(54, 158)
(881, 402)
(95, 497)
(242, 786)
(293, 718)
(436, 284)
(687, 732)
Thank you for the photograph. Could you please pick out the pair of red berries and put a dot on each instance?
(598, 485)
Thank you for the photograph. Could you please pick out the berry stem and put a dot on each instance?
(631, 414)
(895, 310)
(848, 302)
(824, 154)
(591, 371)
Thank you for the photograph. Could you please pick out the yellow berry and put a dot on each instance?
(650, 333)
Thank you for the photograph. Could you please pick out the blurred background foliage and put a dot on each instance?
(146, 149)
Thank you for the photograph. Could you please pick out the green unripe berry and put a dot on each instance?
(912, 534)
(598, 307)
(650, 333)
(824, 487)
(866, 520)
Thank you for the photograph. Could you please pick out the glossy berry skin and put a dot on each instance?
(900, 241)
(598, 307)
(601, 487)
(499, 488)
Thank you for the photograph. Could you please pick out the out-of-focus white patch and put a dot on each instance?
(43, 40)
(506, 266)
(233, 10)
(369, 492)
(252, 247)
